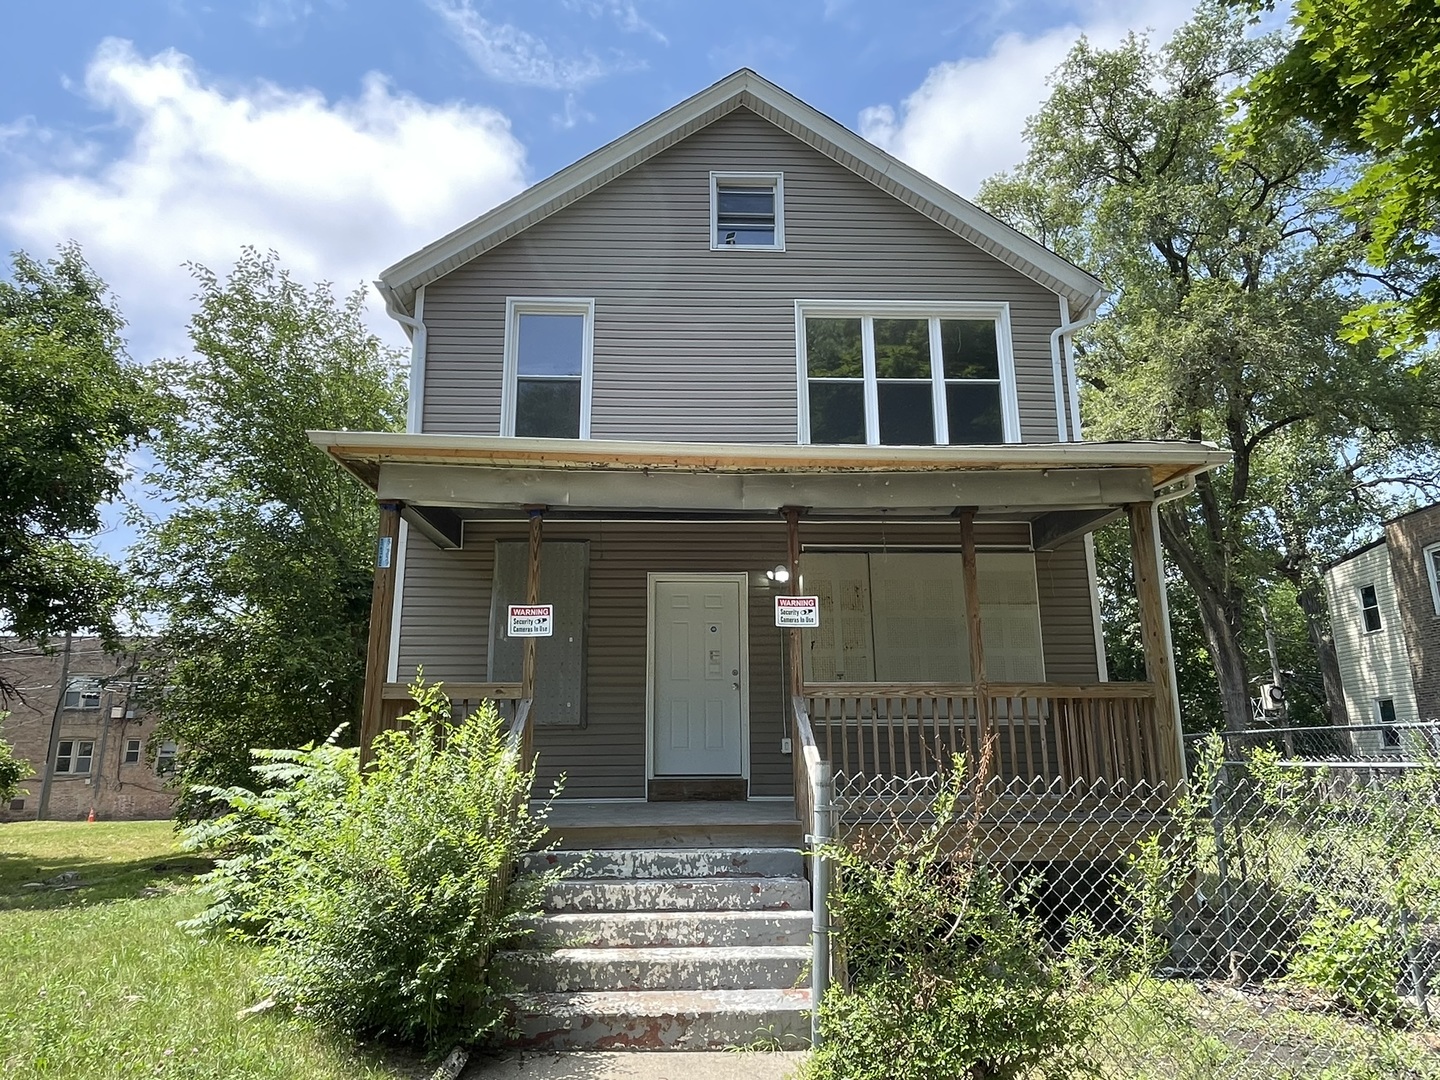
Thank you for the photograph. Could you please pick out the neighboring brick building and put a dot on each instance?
(106, 756)
(1385, 614)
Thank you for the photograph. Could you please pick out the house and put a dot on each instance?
(1384, 603)
(735, 372)
(75, 719)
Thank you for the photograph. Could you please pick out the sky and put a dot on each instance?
(346, 134)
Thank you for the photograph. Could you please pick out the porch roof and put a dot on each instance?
(442, 479)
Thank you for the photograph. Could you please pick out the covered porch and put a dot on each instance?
(657, 512)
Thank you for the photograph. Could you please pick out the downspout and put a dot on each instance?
(415, 326)
(1059, 374)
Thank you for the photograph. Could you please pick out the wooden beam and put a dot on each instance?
(792, 539)
(532, 596)
(972, 616)
(382, 608)
(442, 525)
(1159, 664)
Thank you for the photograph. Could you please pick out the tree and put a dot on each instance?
(1368, 76)
(1232, 275)
(71, 405)
(261, 574)
(12, 769)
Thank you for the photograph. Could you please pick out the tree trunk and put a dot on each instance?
(1312, 604)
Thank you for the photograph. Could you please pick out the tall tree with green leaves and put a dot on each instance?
(1367, 75)
(1232, 275)
(261, 571)
(71, 406)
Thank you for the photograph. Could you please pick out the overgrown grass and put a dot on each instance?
(100, 983)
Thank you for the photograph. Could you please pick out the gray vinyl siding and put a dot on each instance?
(699, 345)
(445, 605)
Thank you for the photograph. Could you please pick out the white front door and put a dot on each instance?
(697, 677)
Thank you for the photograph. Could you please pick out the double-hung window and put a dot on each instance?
(73, 756)
(905, 374)
(1370, 608)
(132, 751)
(747, 211)
(82, 692)
(549, 346)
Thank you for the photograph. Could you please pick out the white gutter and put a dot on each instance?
(1057, 366)
(415, 328)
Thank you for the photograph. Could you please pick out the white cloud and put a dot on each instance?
(340, 189)
(626, 15)
(508, 54)
(966, 120)
(268, 14)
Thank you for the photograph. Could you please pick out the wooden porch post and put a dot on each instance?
(382, 608)
(1159, 664)
(797, 656)
(532, 597)
(972, 617)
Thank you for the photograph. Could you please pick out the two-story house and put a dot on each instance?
(1384, 601)
(735, 359)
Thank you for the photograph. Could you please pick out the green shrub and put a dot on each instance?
(12, 769)
(949, 974)
(379, 900)
(1353, 959)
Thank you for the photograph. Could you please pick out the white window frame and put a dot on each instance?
(869, 310)
(1389, 730)
(515, 306)
(1431, 555)
(1360, 592)
(135, 747)
(73, 756)
(165, 755)
(83, 685)
(775, 180)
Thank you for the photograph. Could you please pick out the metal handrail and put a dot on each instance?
(813, 784)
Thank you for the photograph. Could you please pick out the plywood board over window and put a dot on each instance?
(560, 658)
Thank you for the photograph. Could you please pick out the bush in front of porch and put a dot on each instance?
(378, 899)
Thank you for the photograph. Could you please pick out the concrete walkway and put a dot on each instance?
(596, 1065)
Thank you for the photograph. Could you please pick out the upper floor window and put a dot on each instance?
(82, 692)
(1370, 608)
(906, 375)
(1432, 570)
(132, 751)
(548, 352)
(73, 756)
(747, 210)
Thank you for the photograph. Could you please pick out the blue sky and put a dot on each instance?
(347, 133)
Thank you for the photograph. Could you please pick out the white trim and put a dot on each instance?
(743, 88)
(775, 181)
(393, 668)
(743, 616)
(139, 752)
(75, 741)
(546, 305)
(415, 411)
(1102, 666)
(1430, 554)
(867, 311)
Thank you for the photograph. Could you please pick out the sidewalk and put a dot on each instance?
(680, 1065)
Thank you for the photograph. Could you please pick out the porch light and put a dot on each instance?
(780, 575)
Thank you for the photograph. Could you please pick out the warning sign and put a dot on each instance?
(797, 611)
(532, 620)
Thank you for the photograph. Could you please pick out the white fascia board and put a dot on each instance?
(616, 158)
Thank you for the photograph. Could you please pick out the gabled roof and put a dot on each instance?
(743, 89)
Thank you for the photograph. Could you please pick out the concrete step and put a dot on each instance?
(670, 862)
(663, 1019)
(577, 836)
(674, 929)
(694, 894)
(705, 968)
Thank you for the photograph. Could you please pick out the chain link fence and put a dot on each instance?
(1280, 917)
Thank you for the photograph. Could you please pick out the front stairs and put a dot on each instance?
(666, 948)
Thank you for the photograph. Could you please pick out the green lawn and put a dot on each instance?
(98, 982)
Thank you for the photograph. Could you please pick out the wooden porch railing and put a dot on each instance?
(396, 700)
(1046, 735)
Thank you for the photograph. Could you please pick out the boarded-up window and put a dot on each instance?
(560, 658)
(899, 617)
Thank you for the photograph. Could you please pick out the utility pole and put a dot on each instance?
(49, 776)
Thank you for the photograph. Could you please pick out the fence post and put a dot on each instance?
(820, 899)
(1217, 820)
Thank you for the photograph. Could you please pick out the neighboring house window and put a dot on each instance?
(165, 758)
(1370, 608)
(906, 375)
(82, 692)
(132, 751)
(73, 756)
(747, 211)
(1432, 568)
(1385, 712)
(548, 352)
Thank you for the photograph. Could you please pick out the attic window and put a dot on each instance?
(747, 210)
